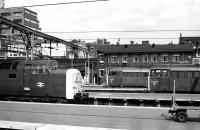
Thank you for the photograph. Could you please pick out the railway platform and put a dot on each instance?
(142, 99)
(16, 125)
(101, 88)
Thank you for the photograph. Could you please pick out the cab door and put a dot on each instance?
(39, 80)
(164, 81)
(27, 79)
(160, 80)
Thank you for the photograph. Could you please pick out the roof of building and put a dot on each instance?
(141, 48)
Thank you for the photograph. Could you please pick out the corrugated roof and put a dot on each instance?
(139, 48)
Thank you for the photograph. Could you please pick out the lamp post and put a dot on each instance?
(88, 68)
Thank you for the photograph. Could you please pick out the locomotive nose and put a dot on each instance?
(73, 83)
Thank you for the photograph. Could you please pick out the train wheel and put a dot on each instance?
(181, 116)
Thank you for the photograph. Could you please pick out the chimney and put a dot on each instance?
(132, 42)
(118, 42)
(145, 42)
(180, 34)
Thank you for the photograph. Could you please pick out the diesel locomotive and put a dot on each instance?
(186, 77)
(41, 79)
(128, 78)
(159, 78)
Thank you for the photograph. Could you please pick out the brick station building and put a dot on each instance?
(127, 58)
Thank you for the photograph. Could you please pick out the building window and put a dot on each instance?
(14, 54)
(124, 59)
(6, 14)
(145, 58)
(176, 58)
(113, 59)
(17, 13)
(17, 21)
(101, 72)
(188, 60)
(101, 60)
(135, 59)
(154, 58)
(164, 58)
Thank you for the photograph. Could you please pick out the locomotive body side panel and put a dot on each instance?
(35, 79)
(135, 79)
(187, 81)
(10, 83)
(115, 81)
(57, 83)
(10, 78)
(129, 77)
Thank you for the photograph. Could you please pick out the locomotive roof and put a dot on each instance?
(145, 48)
(14, 64)
(42, 62)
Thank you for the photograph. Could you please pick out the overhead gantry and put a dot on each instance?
(22, 35)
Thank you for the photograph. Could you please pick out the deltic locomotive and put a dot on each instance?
(41, 79)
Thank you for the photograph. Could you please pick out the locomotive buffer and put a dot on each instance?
(180, 112)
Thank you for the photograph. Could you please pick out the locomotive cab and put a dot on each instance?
(159, 80)
(73, 83)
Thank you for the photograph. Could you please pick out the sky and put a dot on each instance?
(117, 15)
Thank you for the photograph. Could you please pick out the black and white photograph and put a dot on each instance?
(99, 64)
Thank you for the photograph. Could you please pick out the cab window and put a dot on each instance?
(38, 69)
(159, 73)
(164, 73)
(155, 73)
(114, 73)
(53, 68)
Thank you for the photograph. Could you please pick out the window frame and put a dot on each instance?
(101, 72)
(124, 59)
(134, 59)
(113, 59)
(176, 58)
(145, 58)
(164, 56)
(152, 58)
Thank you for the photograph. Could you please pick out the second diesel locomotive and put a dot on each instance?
(129, 78)
(186, 78)
(159, 78)
(40, 79)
